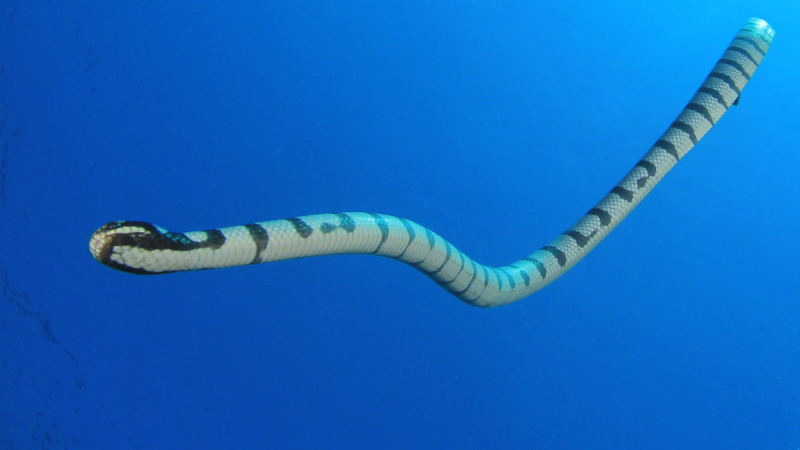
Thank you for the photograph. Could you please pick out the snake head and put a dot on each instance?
(123, 245)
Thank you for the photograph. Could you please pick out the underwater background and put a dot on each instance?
(495, 124)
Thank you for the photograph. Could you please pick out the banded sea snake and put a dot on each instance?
(143, 248)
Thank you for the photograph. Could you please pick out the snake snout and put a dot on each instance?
(113, 238)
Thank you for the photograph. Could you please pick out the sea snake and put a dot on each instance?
(144, 248)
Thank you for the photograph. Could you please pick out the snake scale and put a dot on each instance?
(144, 248)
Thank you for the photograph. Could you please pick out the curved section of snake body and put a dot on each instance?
(143, 248)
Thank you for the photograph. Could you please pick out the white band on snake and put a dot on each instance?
(143, 248)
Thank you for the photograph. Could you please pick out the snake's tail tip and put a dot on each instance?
(763, 29)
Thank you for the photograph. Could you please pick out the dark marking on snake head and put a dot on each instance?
(302, 228)
(145, 236)
(180, 241)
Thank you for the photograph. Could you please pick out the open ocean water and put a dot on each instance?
(495, 124)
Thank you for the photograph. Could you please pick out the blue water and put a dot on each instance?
(496, 124)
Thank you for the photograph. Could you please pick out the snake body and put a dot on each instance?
(143, 248)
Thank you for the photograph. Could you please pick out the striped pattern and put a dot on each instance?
(142, 248)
